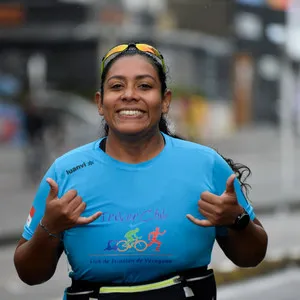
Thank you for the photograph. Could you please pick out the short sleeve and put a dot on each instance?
(38, 206)
(221, 172)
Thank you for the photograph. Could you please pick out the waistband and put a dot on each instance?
(185, 275)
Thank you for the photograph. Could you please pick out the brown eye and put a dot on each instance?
(116, 86)
(145, 86)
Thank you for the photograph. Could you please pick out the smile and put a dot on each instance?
(128, 112)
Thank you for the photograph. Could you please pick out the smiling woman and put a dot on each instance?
(132, 101)
(137, 212)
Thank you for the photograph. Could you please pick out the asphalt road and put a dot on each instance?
(12, 288)
(283, 285)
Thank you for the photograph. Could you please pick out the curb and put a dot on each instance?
(266, 267)
(274, 261)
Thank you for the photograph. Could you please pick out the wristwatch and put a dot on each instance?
(241, 222)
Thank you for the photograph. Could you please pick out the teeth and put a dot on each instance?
(130, 112)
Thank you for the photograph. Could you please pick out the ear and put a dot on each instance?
(166, 101)
(98, 100)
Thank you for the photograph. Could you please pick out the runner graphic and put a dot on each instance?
(154, 239)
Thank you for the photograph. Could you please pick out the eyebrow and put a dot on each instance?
(138, 77)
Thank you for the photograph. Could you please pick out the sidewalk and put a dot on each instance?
(260, 149)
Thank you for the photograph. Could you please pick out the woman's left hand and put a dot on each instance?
(218, 210)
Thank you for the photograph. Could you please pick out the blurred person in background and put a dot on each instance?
(55, 132)
(35, 124)
(138, 177)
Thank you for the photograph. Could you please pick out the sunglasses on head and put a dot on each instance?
(141, 47)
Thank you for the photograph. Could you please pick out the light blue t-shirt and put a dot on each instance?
(143, 232)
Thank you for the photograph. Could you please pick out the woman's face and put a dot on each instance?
(132, 102)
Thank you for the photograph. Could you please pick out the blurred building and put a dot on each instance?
(229, 52)
(259, 29)
(48, 30)
(211, 17)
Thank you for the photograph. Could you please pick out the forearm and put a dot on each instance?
(36, 259)
(246, 248)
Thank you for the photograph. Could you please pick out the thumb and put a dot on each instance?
(53, 189)
(230, 184)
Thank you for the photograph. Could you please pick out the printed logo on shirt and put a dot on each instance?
(136, 245)
(136, 249)
(30, 216)
(78, 167)
(133, 241)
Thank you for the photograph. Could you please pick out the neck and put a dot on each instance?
(134, 149)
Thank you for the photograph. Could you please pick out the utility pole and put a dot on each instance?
(293, 49)
(291, 53)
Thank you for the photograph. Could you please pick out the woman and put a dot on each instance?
(137, 212)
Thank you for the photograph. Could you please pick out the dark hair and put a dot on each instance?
(242, 172)
(161, 74)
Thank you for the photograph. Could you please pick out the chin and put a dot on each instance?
(131, 131)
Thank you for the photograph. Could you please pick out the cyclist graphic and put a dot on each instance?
(132, 241)
(154, 239)
(131, 236)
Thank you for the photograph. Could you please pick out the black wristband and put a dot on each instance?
(49, 233)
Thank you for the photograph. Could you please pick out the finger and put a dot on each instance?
(206, 207)
(230, 184)
(203, 223)
(87, 220)
(209, 197)
(69, 196)
(74, 203)
(79, 209)
(208, 216)
(53, 189)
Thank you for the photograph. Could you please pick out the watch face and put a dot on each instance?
(242, 221)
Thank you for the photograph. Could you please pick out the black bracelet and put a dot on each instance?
(49, 233)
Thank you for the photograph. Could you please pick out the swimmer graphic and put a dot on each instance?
(112, 245)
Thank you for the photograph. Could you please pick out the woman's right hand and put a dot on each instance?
(64, 213)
